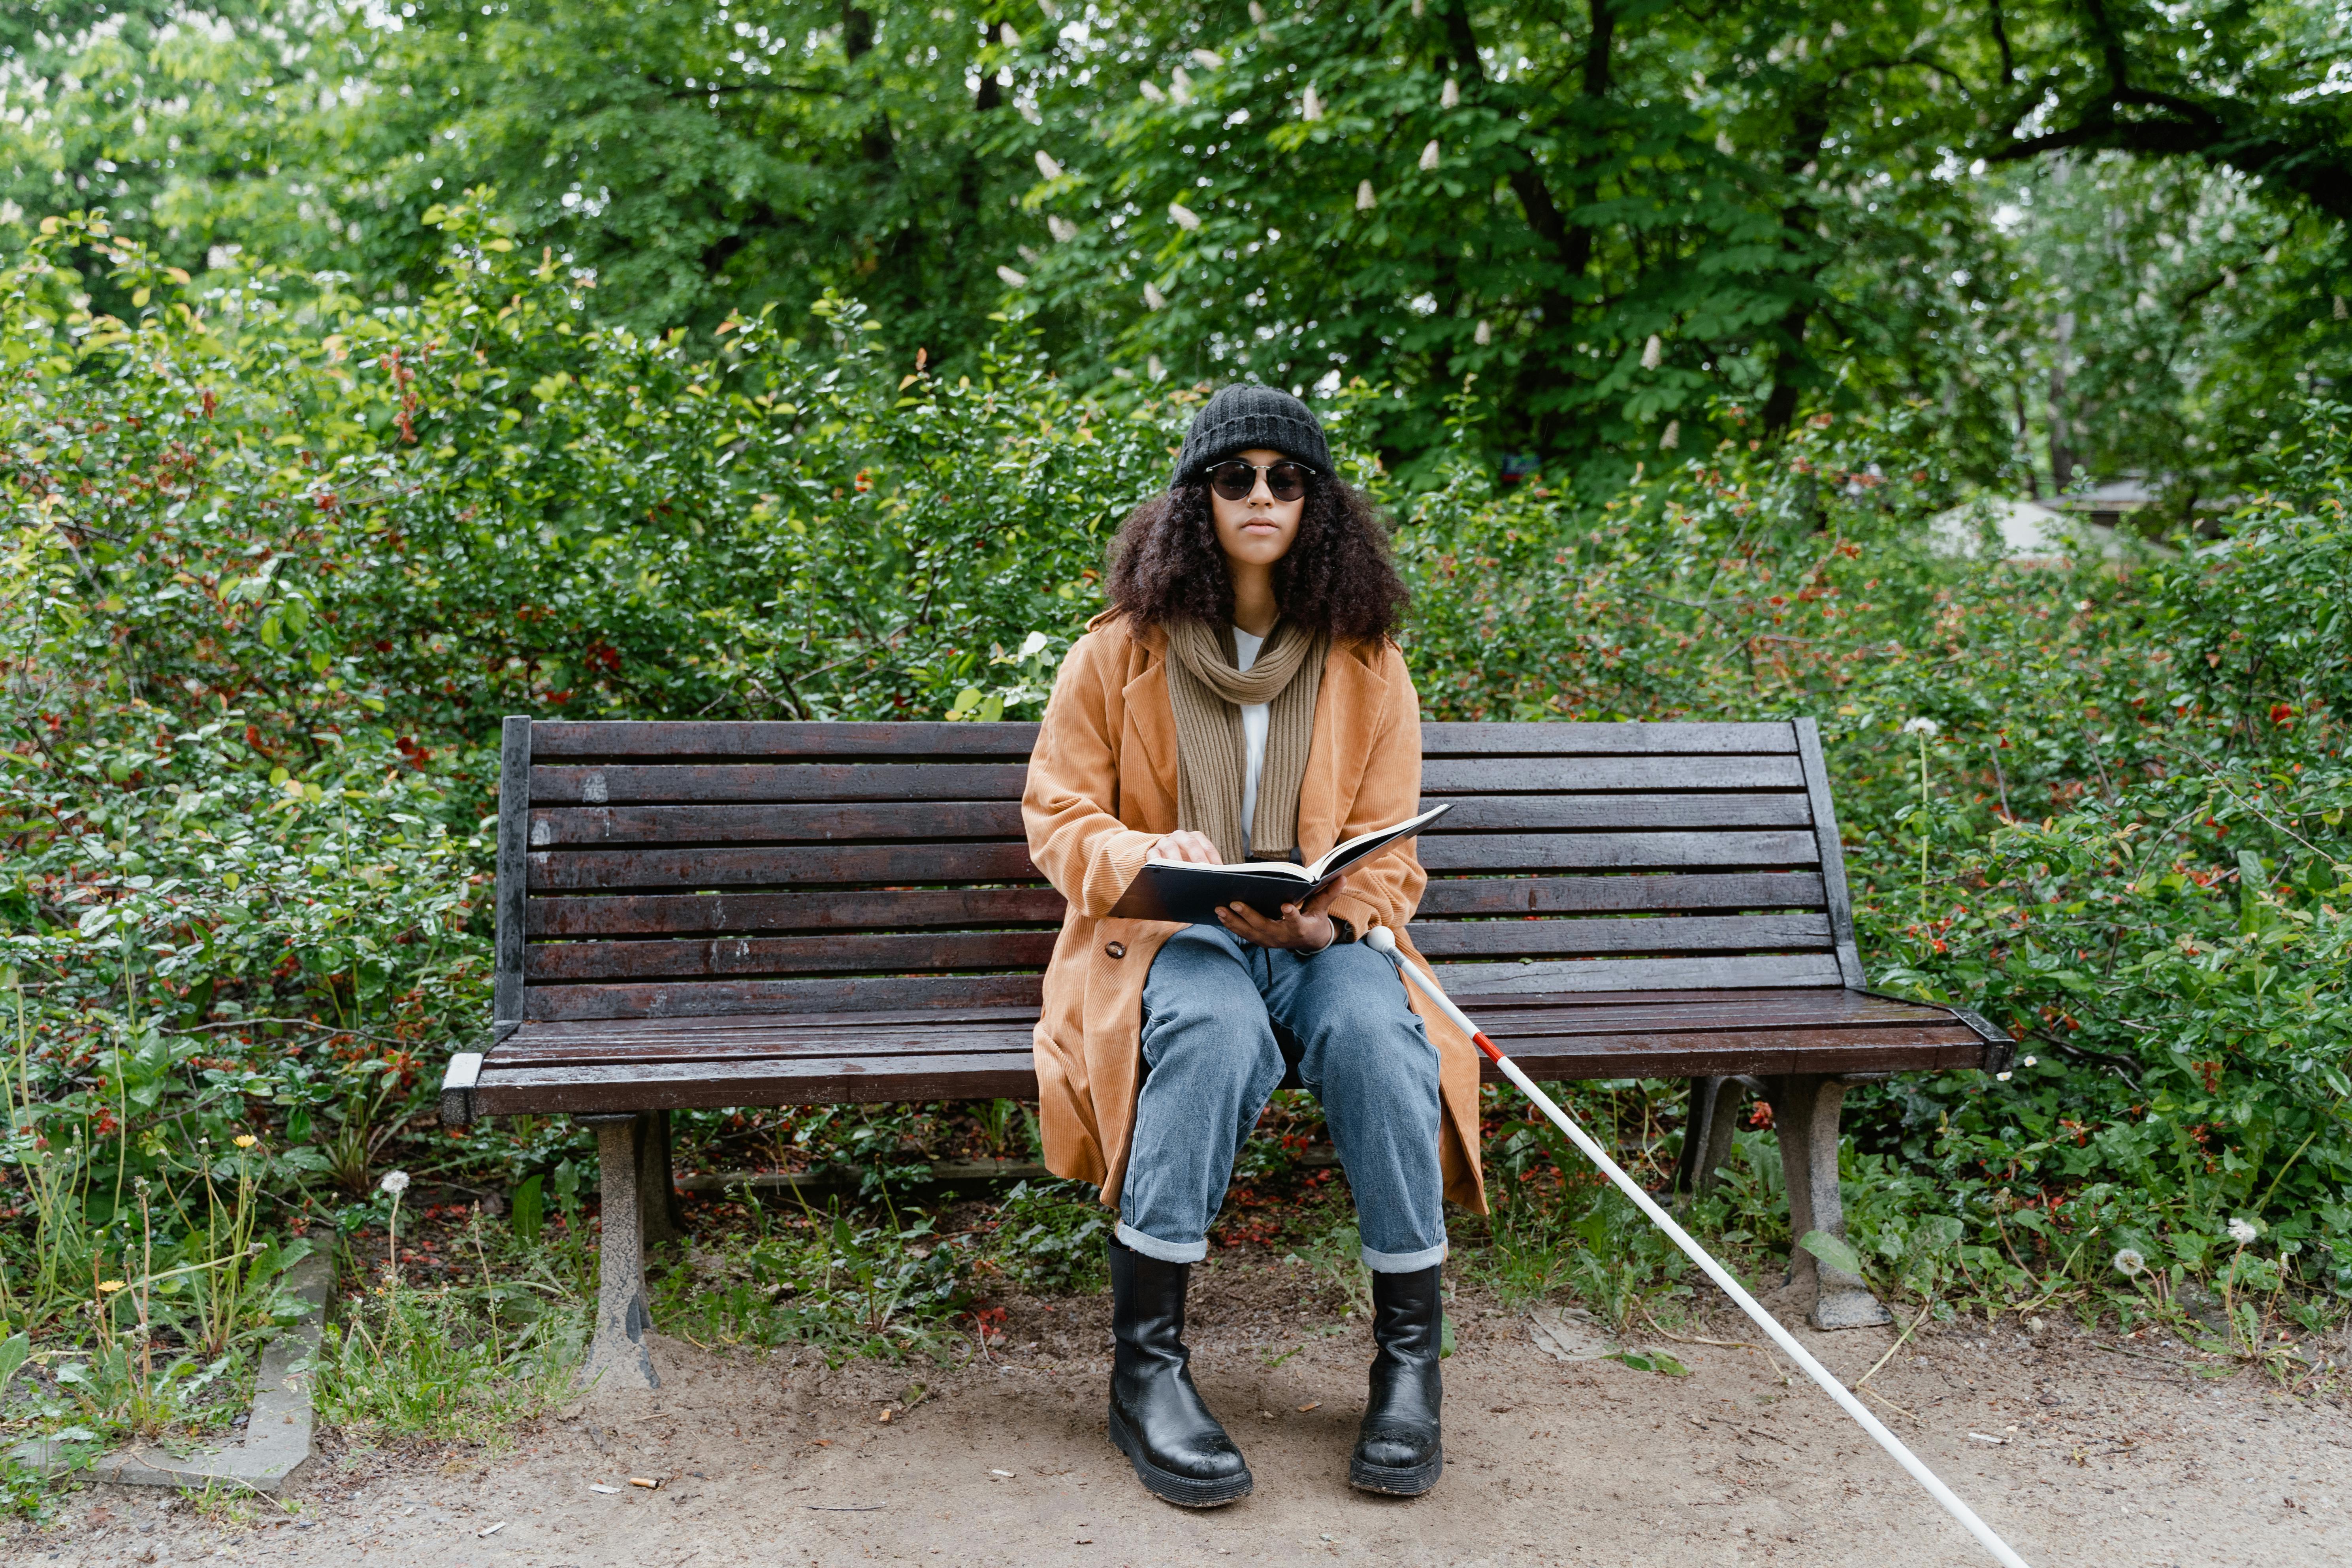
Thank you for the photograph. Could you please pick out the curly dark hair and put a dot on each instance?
(1166, 565)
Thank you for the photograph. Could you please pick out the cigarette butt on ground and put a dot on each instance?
(642, 1481)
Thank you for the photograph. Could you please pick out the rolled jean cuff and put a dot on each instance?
(1166, 1251)
(1398, 1262)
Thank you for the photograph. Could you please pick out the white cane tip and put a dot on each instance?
(1379, 940)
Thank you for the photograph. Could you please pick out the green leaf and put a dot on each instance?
(14, 1352)
(1830, 1250)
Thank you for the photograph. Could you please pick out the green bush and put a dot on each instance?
(277, 561)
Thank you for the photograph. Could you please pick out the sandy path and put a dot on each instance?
(2108, 1460)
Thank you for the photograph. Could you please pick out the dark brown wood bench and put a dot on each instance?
(703, 915)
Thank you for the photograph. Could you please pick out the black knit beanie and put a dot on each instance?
(1246, 416)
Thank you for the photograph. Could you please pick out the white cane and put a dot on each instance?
(1383, 941)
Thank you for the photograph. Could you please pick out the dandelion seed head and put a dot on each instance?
(2244, 1233)
(1922, 726)
(395, 1182)
(2130, 1264)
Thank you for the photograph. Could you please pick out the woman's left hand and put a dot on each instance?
(1303, 927)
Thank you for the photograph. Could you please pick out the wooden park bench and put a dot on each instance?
(703, 915)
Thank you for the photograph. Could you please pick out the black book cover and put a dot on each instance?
(1191, 894)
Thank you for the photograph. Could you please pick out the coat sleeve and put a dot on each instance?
(1386, 889)
(1070, 805)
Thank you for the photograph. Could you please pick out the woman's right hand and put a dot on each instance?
(1186, 844)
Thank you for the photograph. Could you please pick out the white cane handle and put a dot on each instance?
(1383, 941)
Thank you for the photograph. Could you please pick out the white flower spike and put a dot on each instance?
(1365, 200)
(1012, 279)
(1153, 298)
(1154, 369)
(1257, 14)
(1207, 59)
(1151, 89)
(1451, 96)
(1046, 167)
(1483, 336)
(1428, 154)
(1654, 352)
(1006, 35)
(1310, 105)
(1673, 437)
(1184, 217)
(1180, 87)
(1061, 228)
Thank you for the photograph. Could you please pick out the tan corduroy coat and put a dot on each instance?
(1102, 790)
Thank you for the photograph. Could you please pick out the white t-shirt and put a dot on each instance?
(1254, 722)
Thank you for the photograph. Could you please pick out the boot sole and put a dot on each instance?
(1184, 1491)
(1397, 1481)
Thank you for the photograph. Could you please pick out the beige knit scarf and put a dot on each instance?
(1208, 691)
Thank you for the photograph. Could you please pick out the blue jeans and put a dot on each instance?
(1211, 1006)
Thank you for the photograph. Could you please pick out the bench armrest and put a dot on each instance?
(457, 1082)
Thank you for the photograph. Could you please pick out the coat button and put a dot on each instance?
(1116, 949)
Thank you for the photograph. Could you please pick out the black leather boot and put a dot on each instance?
(1396, 1449)
(1179, 1451)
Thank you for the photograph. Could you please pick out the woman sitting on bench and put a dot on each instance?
(1243, 699)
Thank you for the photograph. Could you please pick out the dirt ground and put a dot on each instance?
(2103, 1460)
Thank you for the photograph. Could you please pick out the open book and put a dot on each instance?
(1190, 893)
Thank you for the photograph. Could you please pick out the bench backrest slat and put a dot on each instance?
(669, 871)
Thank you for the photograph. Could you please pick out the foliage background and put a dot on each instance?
(286, 535)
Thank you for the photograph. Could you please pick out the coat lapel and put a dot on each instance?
(1346, 709)
(1149, 709)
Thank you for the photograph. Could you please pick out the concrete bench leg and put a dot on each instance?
(1706, 1133)
(1805, 1118)
(658, 1202)
(619, 1357)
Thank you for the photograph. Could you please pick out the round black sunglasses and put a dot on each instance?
(1236, 481)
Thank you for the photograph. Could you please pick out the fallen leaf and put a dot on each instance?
(886, 1415)
(821, 1441)
(1305, 1408)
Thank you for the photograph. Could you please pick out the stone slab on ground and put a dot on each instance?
(277, 1441)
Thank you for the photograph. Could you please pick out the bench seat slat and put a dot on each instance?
(1634, 739)
(652, 998)
(713, 1084)
(1615, 851)
(1691, 892)
(1604, 1012)
(715, 784)
(1574, 776)
(752, 738)
(891, 952)
(588, 870)
(1616, 813)
(774, 824)
(1667, 934)
(828, 822)
(748, 915)
(1463, 980)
